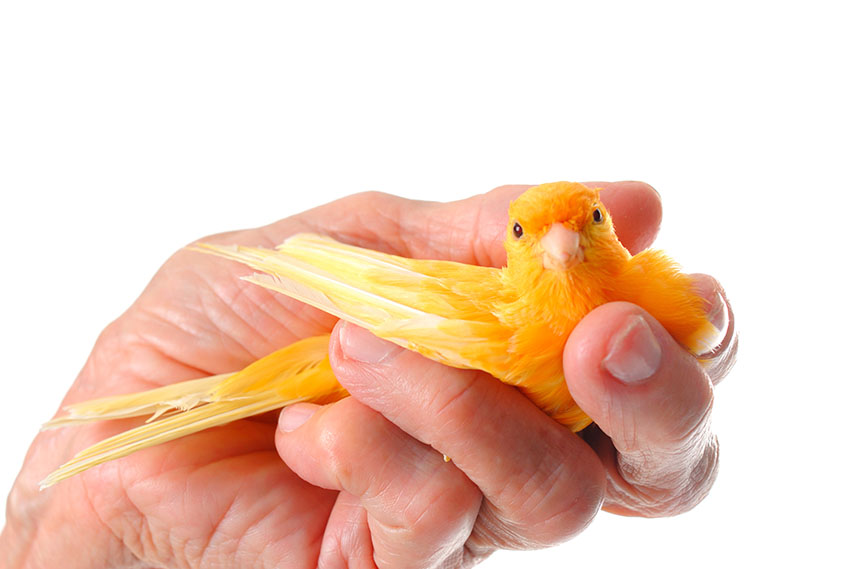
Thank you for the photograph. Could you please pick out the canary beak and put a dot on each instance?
(561, 248)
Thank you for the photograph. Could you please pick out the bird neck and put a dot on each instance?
(558, 298)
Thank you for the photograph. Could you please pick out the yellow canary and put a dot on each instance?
(563, 260)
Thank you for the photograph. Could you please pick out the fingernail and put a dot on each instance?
(718, 314)
(361, 345)
(634, 353)
(296, 415)
(716, 309)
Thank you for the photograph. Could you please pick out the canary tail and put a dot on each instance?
(162, 431)
(156, 402)
(298, 372)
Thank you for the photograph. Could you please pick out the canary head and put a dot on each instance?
(561, 227)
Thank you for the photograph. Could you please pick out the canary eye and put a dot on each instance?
(597, 215)
(517, 230)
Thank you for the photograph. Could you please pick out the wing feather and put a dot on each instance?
(441, 309)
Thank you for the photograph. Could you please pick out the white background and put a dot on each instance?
(130, 129)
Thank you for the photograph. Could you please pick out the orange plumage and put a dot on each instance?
(563, 260)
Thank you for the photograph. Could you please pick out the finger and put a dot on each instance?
(719, 361)
(653, 400)
(541, 482)
(347, 542)
(635, 208)
(420, 509)
(471, 230)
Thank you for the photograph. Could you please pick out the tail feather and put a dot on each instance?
(155, 402)
(295, 373)
(164, 430)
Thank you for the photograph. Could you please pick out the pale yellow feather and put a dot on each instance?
(441, 309)
(155, 402)
(298, 372)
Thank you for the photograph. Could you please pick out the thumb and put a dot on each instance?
(653, 401)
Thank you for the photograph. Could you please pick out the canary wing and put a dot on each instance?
(655, 282)
(441, 309)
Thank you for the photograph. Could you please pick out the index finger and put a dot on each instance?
(541, 482)
(470, 230)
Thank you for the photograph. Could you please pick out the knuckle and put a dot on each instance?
(336, 441)
(663, 485)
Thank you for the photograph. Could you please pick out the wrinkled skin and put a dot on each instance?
(379, 494)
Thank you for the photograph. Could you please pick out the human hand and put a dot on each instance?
(519, 479)
(223, 497)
